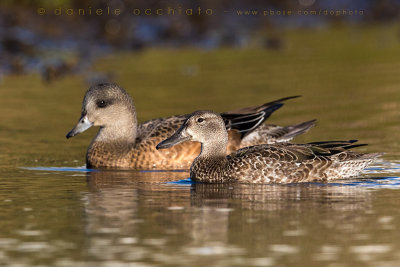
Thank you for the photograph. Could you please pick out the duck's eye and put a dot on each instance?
(101, 103)
(200, 120)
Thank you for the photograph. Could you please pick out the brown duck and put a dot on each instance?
(275, 163)
(123, 143)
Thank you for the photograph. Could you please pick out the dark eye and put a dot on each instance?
(200, 120)
(101, 103)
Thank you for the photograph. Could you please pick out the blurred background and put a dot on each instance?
(63, 37)
(174, 57)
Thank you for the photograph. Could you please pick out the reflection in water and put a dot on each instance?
(139, 217)
(123, 213)
(126, 217)
(115, 196)
(274, 215)
(283, 197)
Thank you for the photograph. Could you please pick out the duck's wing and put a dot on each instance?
(289, 163)
(271, 134)
(245, 120)
(300, 152)
(160, 127)
(276, 163)
(277, 152)
(292, 163)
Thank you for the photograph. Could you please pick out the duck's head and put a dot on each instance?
(202, 126)
(106, 105)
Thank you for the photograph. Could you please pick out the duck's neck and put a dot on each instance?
(210, 165)
(213, 150)
(123, 130)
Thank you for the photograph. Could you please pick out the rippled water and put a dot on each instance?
(54, 212)
(67, 216)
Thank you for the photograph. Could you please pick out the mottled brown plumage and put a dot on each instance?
(274, 163)
(122, 143)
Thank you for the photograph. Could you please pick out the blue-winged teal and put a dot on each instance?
(122, 143)
(276, 163)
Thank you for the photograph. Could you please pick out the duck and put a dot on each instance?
(123, 143)
(266, 163)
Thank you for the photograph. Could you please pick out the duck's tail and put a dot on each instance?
(245, 120)
(345, 163)
(351, 164)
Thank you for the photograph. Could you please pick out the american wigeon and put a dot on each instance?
(123, 143)
(274, 163)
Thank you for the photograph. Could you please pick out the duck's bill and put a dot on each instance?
(175, 139)
(80, 127)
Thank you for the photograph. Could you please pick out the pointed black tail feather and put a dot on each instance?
(329, 148)
(255, 109)
(334, 143)
(353, 146)
(331, 145)
(247, 119)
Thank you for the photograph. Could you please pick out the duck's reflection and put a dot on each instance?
(281, 197)
(120, 200)
(146, 207)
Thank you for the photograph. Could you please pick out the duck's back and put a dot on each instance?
(149, 134)
(291, 163)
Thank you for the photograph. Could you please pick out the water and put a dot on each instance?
(54, 212)
(63, 216)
